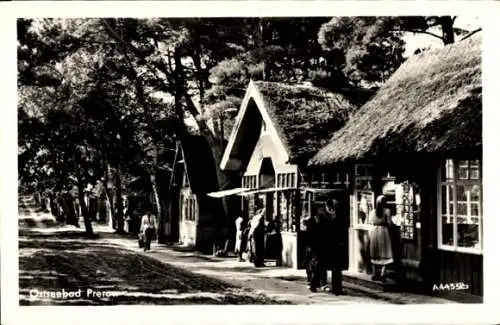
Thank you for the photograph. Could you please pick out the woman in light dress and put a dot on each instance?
(380, 241)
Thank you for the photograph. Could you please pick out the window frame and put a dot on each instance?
(355, 202)
(190, 208)
(454, 182)
(356, 191)
(288, 221)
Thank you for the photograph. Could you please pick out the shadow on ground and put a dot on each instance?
(68, 260)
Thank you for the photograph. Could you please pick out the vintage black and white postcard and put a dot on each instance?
(250, 158)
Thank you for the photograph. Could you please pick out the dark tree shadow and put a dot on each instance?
(70, 261)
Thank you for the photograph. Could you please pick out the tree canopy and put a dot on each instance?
(104, 100)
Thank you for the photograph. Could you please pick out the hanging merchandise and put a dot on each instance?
(404, 210)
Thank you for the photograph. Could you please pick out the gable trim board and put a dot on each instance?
(253, 93)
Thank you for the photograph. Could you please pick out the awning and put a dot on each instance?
(267, 190)
(224, 193)
(320, 190)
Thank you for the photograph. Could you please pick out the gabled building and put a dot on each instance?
(279, 127)
(419, 140)
(195, 219)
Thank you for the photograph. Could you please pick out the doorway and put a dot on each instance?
(269, 205)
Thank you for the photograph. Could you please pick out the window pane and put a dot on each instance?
(447, 232)
(447, 200)
(468, 192)
(447, 214)
(358, 183)
(474, 209)
(474, 169)
(293, 213)
(462, 209)
(364, 202)
(364, 185)
(284, 211)
(474, 173)
(468, 236)
(447, 170)
(463, 169)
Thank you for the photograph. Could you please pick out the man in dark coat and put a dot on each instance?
(317, 233)
(334, 244)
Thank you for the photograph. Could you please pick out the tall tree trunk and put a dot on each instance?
(159, 210)
(119, 201)
(215, 142)
(53, 205)
(179, 85)
(261, 39)
(83, 206)
(200, 74)
(81, 198)
(446, 23)
(107, 192)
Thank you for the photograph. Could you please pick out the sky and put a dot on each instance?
(415, 41)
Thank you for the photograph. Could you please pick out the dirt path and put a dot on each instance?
(55, 256)
(58, 265)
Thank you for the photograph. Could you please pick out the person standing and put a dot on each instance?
(305, 226)
(317, 230)
(334, 245)
(278, 249)
(273, 242)
(380, 241)
(257, 233)
(148, 228)
(240, 240)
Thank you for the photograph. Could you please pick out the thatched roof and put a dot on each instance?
(431, 104)
(304, 116)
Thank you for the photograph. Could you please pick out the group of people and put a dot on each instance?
(323, 238)
(324, 247)
(258, 237)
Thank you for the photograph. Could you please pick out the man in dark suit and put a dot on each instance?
(333, 241)
(317, 230)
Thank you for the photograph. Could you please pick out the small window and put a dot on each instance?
(363, 200)
(190, 208)
(364, 204)
(287, 211)
(460, 222)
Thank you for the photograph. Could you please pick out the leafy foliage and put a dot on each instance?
(105, 99)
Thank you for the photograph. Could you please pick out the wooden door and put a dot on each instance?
(269, 204)
(343, 211)
(174, 214)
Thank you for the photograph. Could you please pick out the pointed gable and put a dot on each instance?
(300, 119)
